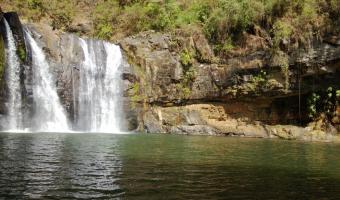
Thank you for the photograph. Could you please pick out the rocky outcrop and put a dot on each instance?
(179, 86)
(216, 119)
(157, 60)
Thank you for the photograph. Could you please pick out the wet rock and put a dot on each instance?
(286, 132)
(152, 124)
(194, 130)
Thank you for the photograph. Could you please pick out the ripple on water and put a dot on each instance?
(90, 166)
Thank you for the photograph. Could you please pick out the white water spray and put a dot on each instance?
(14, 112)
(49, 115)
(99, 90)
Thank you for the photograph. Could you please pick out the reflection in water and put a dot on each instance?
(59, 166)
(104, 166)
(178, 167)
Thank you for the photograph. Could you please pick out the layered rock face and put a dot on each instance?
(179, 86)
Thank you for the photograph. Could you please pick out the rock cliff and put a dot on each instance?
(179, 86)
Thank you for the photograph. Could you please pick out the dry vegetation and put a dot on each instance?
(223, 21)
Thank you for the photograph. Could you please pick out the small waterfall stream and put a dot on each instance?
(99, 90)
(49, 115)
(14, 108)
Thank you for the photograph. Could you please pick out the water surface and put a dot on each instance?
(137, 166)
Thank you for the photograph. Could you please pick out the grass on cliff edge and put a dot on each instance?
(223, 21)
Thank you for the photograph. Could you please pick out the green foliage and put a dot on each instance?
(183, 90)
(223, 21)
(104, 31)
(104, 16)
(281, 30)
(61, 14)
(21, 53)
(186, 92)
(189, 76)
(35, 4)
(232, 17)
(322, 102)
(225, 47)
(260, 78)
(312, 105)
(255, 85)
(184, 87)
(328, 101)
(163, 15)
(166, 15)
(186, 58)
(134, 93)
(194, 13)
(34, 9)
(228, 45)
(60, 20)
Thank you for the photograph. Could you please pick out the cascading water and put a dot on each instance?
(49, 115)
(14, 115)
(99, 90)
(96, 96)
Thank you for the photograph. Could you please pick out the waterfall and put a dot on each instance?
(14, 112)
(96, 86)
(49, 115)
(99, 87)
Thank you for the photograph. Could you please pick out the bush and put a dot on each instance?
(186, 58)
(196, 13)
(221, 20)
(312, 102)
(35, 4)
(34, 9)
(104, 31)
(281, 30)
(60, 20)
(104, 16)
(322, 102)
(232, 17)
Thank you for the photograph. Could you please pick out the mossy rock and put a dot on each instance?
(21, 51)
